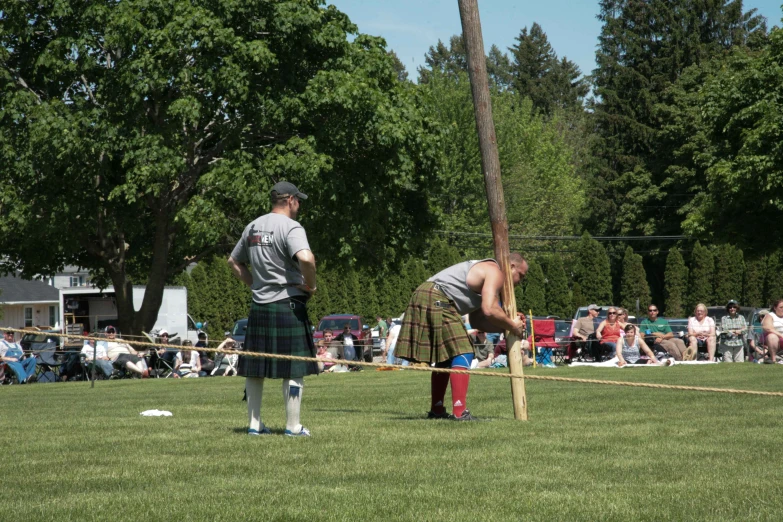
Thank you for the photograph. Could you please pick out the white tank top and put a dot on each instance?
(777, 322)
(453, 281)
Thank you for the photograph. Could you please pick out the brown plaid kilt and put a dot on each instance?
(431, 333)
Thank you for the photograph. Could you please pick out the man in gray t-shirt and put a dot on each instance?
(274, 259)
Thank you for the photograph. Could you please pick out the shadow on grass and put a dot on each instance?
(338, 410)
(401, 417)
(243, 431)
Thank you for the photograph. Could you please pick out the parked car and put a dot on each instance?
(679, 326)
(238, 332)
(717, 312)
(336, 322)
(582, 311)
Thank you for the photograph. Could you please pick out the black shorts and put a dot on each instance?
(124, 358)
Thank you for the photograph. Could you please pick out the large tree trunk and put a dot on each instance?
(130, 321)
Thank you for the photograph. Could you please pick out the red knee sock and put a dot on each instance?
(438, 384)
(459, 392)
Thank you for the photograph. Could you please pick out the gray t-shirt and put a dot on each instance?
(268, 247)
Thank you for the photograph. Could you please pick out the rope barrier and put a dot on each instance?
(422, 368)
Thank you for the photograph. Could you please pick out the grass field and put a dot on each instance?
(588, 452)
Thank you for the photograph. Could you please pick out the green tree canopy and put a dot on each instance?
(634, 287)
(701, 280)
(558, 298)
(550, 83)
(592, 272)
(643, 49)
(676, 284)
(735, 115)
(773, 285)
(533, 291)
(215, 296)
(543, 191)
(137, 136)
(753, 282)
(729, 270)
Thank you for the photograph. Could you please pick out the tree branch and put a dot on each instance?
(89, 92)
(21, 82)
(199, 257)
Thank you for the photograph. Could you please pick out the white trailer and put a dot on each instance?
(94, 309)
(173, 314)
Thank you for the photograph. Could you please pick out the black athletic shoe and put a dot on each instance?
(466, 416)
(433, 415)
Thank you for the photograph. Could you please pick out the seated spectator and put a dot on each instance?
(701, 334)
(347, 341)
(584, 333)
(501, 353)
(170, 356)
(391, 344)
(205, 361)
(756, 341)
(622, 319)
(607, 333)
(773, 330)
(71, 363)
(365, 345)
(102, 362)
(658, 333)
(630, 346)
(226, 365)
(733, 330)
(122, 356)
(12, 355)
(189, 364)
(326, 350)
(484, 350)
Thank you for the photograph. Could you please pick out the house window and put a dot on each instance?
(28, 316)
(52, 315)
(77, 280)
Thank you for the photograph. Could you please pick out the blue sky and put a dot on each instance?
(411, 27)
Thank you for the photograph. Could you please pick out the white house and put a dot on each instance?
(28, 303)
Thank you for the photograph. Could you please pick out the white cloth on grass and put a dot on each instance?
(156, 413)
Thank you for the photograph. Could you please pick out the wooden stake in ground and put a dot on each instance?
(490, 164)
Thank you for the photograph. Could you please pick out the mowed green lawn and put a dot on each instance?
(588, 452)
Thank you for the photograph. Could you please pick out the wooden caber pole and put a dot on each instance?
(490, 164)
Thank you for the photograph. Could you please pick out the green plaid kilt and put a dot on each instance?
(281, 328)
(431, 333)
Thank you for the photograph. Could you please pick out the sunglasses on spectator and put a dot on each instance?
(652, 309)
(611, 313)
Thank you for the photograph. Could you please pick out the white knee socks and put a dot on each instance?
(292, 396)
(254, 388)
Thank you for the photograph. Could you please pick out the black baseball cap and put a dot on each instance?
(284, 187)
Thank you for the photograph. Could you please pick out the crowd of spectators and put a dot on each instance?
(112, 358)
(591, 338)
(729, 340)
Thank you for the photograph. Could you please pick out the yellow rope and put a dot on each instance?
(417, 368)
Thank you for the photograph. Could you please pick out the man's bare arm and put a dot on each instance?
(240, 271)
(491, 314)
(307, 266)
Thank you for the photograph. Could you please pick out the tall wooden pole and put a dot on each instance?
(490, 164)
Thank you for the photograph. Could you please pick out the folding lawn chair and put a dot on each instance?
(544, 337)
(47, 364)
(226, 364)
